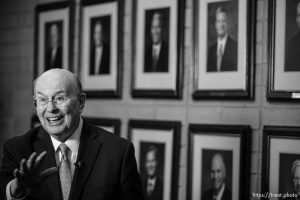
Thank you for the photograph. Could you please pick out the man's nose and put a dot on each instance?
(51, 106)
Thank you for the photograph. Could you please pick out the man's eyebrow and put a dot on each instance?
(59, 92)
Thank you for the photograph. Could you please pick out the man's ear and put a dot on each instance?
(82, 98)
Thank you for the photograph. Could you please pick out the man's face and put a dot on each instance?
(98, 35)
(217, 173)
(60, 122)
(221, 24)
(156, 30)
(296, 180)
(151, 163)
(54, 36)
(298, 15)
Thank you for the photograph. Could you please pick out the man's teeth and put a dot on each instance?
(53, 118)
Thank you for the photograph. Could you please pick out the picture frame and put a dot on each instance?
(218, 151)
(35, 122)
(284, 62)
(101, 48)
(157, 145)
(157, 40)
(224, 68)
(280, 151)
(110, 124)
(53, 36)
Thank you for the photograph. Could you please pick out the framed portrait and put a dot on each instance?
(110, 124)
(224, 49)
(284, 60)
(218, 160)
(157, 48)
(101, 48)
(53, 36)
(157, 145)
(281, 161)
(35, 122)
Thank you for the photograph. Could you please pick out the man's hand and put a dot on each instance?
(29, 174)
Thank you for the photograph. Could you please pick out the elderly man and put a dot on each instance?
(292, 58)
(152, 184)
(219, 191)
(157, 53)
(222, 54)
(53, 58)
(100, 52)
(66, 158)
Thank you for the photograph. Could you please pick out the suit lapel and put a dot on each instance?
(43, 143)
(89, 148)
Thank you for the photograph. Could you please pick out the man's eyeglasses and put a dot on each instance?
(58, 100)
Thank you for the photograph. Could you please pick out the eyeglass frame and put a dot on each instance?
(52, 100)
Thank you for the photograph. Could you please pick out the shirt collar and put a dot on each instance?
(73, 141)
(223, 40)
(219, 196)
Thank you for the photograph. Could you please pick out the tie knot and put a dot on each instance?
(63, 148)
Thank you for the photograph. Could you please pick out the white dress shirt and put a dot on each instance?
(219, 196)
(222, 43)
(156, 50)
(98, 58)
(72, 143)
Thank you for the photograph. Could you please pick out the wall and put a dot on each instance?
(16, 74)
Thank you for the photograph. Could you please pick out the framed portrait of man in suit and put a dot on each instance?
(157, 152)
(53, 36)
(284, 61)
(224, 49)
(110, 124)
(101, 48)
(281, 161)
(218, 166)
(157, 48)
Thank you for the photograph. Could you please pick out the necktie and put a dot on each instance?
(65, 173)
(155, 58)
(150, 187)
(219, 57)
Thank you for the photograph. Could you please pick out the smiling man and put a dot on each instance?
(66, 158)
(222, 54)
(219, 191)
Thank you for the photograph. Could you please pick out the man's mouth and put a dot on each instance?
(54, 120)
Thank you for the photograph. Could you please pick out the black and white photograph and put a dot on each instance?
(217, 174)
(289, 173)
(150, 100)
(222, 36)
(100, 45)
(223, 69)
(101, 49)
(52, 33)
(54, 50)
(152, 157)
(157, 42)
(284, 62)
(218, 162)
(281, 161)
(156, 149)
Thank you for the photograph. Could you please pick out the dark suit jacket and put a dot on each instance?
(108, 171)
(208, 194)
(292, 58)
(105, 60)
(229, 59)
(162, 64)
(57, 60)
(157, 193)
